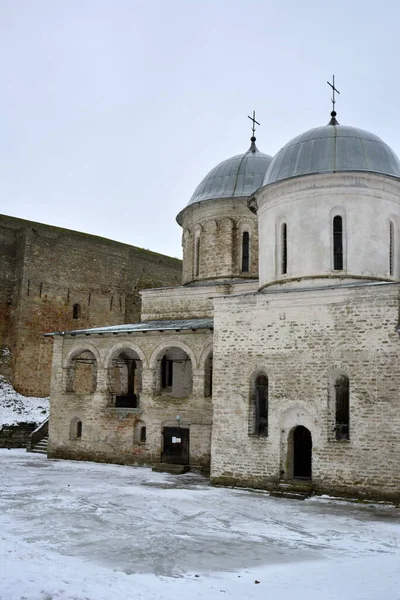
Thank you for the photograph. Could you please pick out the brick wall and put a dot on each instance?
(45, 271)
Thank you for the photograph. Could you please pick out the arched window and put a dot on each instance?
(261, 405)
(76, 311)
(338, 243)
(125, 379)
(283, 249)
(197, 256)
(75, 429)
(391, 249)
(245, 252)
(142, 435)
(82, 373)
(342, 408)
(175, 378)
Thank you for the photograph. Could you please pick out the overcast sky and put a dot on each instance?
(112, 111)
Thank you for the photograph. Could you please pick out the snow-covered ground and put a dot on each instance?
(15, 408)
(84, 531)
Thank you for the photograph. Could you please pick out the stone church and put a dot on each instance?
(276, 362)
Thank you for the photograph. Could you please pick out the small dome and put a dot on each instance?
(238, 176)
(331, 149)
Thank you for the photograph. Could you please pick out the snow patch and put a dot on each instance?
(15, 408)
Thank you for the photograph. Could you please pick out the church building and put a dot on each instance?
(276, 362)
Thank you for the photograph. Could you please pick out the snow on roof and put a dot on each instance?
(15, 408)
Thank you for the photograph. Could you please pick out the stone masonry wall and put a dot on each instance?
(16, 436)
(189, 302)
(301, 340)
(219, 226)
(45, 270)
(111, 434)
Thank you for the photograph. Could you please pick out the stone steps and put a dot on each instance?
(294, 490)
(41, 447)
(170, 468)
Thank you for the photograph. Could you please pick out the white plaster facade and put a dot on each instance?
(367, 203)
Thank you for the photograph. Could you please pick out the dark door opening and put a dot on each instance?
(302, 452)
(175, 446)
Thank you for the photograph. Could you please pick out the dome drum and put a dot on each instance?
(216, 243)
(337, 226)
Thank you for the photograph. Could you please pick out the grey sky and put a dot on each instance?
(111, 112)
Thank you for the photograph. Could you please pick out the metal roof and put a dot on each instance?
(235, 177)
(149, 326)
(331, 149)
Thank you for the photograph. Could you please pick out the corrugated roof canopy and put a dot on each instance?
(136, 327)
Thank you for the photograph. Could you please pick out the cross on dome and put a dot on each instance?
(253, 129)
(333, 99)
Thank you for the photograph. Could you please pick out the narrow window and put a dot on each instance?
(245, 251)
(167, 367)
(143, 434)
(261, 412)
(76, 311)
(79, 429)
(342, 408)
(284, 249)
(197, 257)
(338, 243)
(208, 376)
(391, 249)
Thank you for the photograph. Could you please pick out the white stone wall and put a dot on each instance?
(110, 434)
(188, 302)
(366, 202)
(300, 340)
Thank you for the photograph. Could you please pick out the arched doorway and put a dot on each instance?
(302, 453)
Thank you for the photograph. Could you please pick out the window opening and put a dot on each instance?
(342, 412)
(167, 369)
(261, 413)
(208, 377)
(391, 249)
(143, 434)
(79, 429)
(245, 251)
(125, 379)
(76, 311)
(338, 243)
(284, 249)
(197, 257)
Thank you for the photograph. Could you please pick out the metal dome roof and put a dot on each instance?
(238, 176)
(331, 149)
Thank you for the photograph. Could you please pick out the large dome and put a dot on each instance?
(331, 149)
(236, 177)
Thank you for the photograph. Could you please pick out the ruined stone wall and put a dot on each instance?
(112, 434)
(45, 271)
(301, 340)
